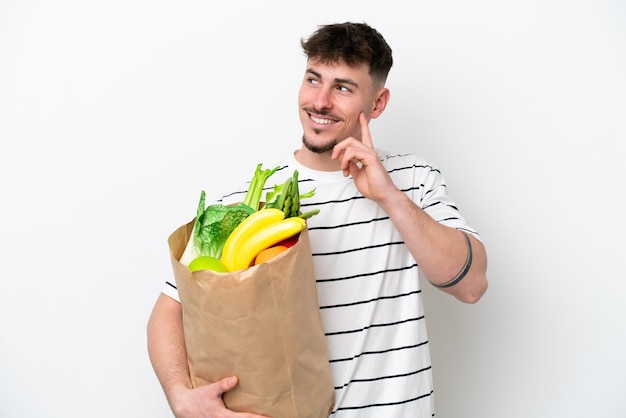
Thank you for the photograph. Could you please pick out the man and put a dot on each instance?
(384, 218)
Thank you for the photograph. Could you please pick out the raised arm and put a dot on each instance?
(443, 253)
(451, 260)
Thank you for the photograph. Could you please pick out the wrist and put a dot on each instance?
(393, 200)
(177, 399)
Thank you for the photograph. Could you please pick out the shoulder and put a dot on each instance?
(407, 163)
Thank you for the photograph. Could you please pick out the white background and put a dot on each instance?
(115, 114)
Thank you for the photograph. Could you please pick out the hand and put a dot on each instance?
(206, 401)
(359, 159)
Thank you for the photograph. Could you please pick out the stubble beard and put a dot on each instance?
(324, 147)
(319, 149)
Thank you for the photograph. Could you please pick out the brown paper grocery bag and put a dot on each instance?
(261, 324)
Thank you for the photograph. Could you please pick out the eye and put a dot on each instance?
(312, 81)
(344, 89)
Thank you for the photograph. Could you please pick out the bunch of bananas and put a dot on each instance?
(259, 231)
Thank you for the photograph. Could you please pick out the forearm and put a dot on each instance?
(440, 251)
(166, 347)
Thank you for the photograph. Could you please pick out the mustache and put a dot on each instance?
(320, 112)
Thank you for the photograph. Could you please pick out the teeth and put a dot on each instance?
(322, 121)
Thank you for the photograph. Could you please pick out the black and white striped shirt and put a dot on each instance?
(369, 289)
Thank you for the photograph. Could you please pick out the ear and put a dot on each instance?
(380, 103)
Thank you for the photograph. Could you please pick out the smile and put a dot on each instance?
(322, 121)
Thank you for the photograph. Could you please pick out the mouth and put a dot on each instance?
(322, 120)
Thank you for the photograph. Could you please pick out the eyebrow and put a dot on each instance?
(337, 80)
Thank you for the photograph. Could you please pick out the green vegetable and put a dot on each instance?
(255, 190)
(214, 224)
(212, 227)
(276, 198)
(307, 215)
(287, 197)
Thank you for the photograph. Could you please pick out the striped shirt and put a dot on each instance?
(369, 288)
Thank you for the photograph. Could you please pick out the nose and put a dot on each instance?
(323, 99)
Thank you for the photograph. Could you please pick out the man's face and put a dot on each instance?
(330, 100)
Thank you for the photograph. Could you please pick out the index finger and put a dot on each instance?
(366, 137)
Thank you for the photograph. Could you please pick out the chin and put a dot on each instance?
(319, 147)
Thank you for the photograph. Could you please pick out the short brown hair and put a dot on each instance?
(354, 44)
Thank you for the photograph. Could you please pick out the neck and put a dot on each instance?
(315, 161)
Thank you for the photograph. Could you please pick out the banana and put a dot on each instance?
(264, 238)
(245, 230)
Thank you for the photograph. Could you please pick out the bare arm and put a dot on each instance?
(168, 355)
(166, 347)
(440, 251)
